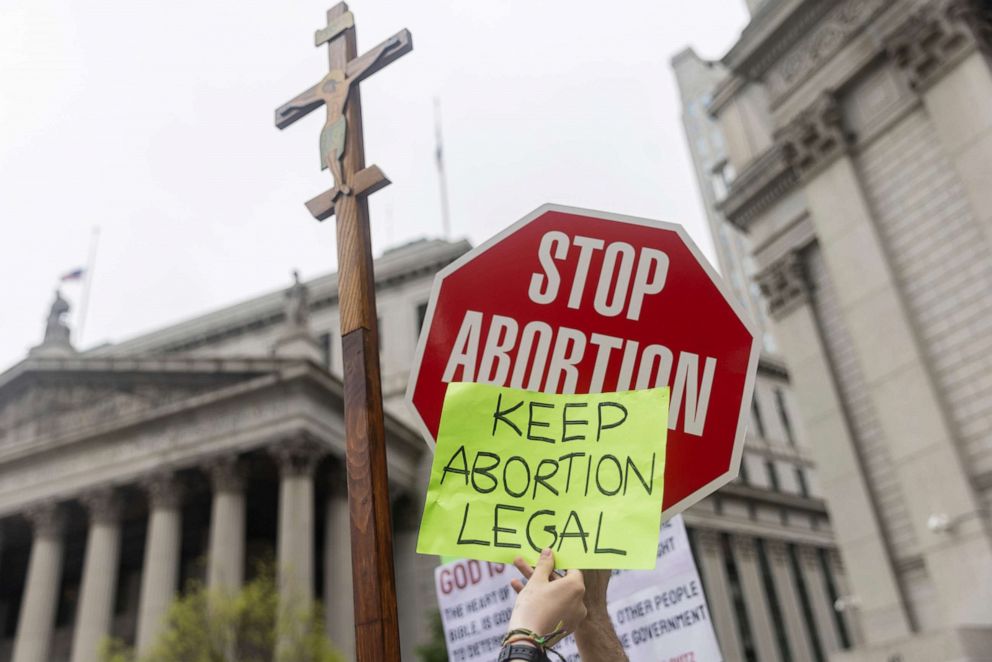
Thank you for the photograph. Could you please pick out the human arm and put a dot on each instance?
(544, 606)
(595, 637)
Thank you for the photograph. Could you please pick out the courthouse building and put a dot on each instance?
(778, 456)
(858, 161)
(129, 469)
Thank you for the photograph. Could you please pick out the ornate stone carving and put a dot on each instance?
(163, 489)
(778, 551)
(820, 44)
(809, 556)
(46, 519)
(765, 180)
(708, 540)
(815, 136)
(103, 505)
(784, 285)
(227, 473)
(298, 456)
(744, 547)
(937, 36)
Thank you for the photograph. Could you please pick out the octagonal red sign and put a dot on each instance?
(575, 301)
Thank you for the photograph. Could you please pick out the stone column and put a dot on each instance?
(942, 49)
(41, 588)
(339, 600)
(922, 445)
(787, 591)
(226, 555)
(786, 288)
(96, 601)
(819, 598)
(160, 574)
(297, 459)
(755, 599)
(718, 597)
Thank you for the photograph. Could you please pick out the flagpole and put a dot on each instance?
(442, 176)
(84, 303)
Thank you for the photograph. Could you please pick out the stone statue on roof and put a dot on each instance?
(57, 334)
(298, 304)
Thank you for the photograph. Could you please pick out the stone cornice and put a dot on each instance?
(815, 136)
(765, 180)
(784, 284)
(821, 33)
(936, 37)
(771, 33)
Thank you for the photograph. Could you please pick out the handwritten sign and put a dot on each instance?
(517, 471)
(658, 614)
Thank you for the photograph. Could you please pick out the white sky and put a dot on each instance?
(154, 122)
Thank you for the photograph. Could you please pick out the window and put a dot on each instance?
(772, 475)
(756, 415)
(324, 340)
(421, 316)
(801, 480)
(782, 414)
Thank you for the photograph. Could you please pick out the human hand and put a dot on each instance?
(595, 637)
(544, 605)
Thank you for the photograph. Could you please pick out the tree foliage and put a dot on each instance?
(247, 626)
(434, 650)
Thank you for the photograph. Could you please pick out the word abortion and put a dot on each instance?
(519, 358)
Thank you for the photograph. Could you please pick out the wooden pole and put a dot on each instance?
(376, 623)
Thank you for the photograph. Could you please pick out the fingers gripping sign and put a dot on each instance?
(549, 607)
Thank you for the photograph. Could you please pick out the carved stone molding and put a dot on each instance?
(103, 505)
(815, 136)
(937, 36)
(809, 556)
(778, 551)
(784, 285)
(765, 181)
(836, 560)
(828, 36)
(163, 489)
(227, 473)
(298, 456)
(46, 519)
(745, 547)
(708, 540)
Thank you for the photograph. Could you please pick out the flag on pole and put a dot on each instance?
(75, 274)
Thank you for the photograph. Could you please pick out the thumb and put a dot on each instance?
(545, 564)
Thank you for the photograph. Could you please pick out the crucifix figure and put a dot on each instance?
(343, 153)
(334, 91)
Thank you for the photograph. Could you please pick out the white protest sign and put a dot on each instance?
(660, 615)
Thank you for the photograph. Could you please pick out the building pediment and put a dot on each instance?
(52, 397)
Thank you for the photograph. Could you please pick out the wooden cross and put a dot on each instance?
(343, 152)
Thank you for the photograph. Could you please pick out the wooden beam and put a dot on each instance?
(382, 55)
(366, 182)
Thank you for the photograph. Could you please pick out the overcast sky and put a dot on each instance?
(153, 121)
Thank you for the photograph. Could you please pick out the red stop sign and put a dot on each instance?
(575, 301)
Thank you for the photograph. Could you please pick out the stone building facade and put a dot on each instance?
(827, 632)
(860, 136)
